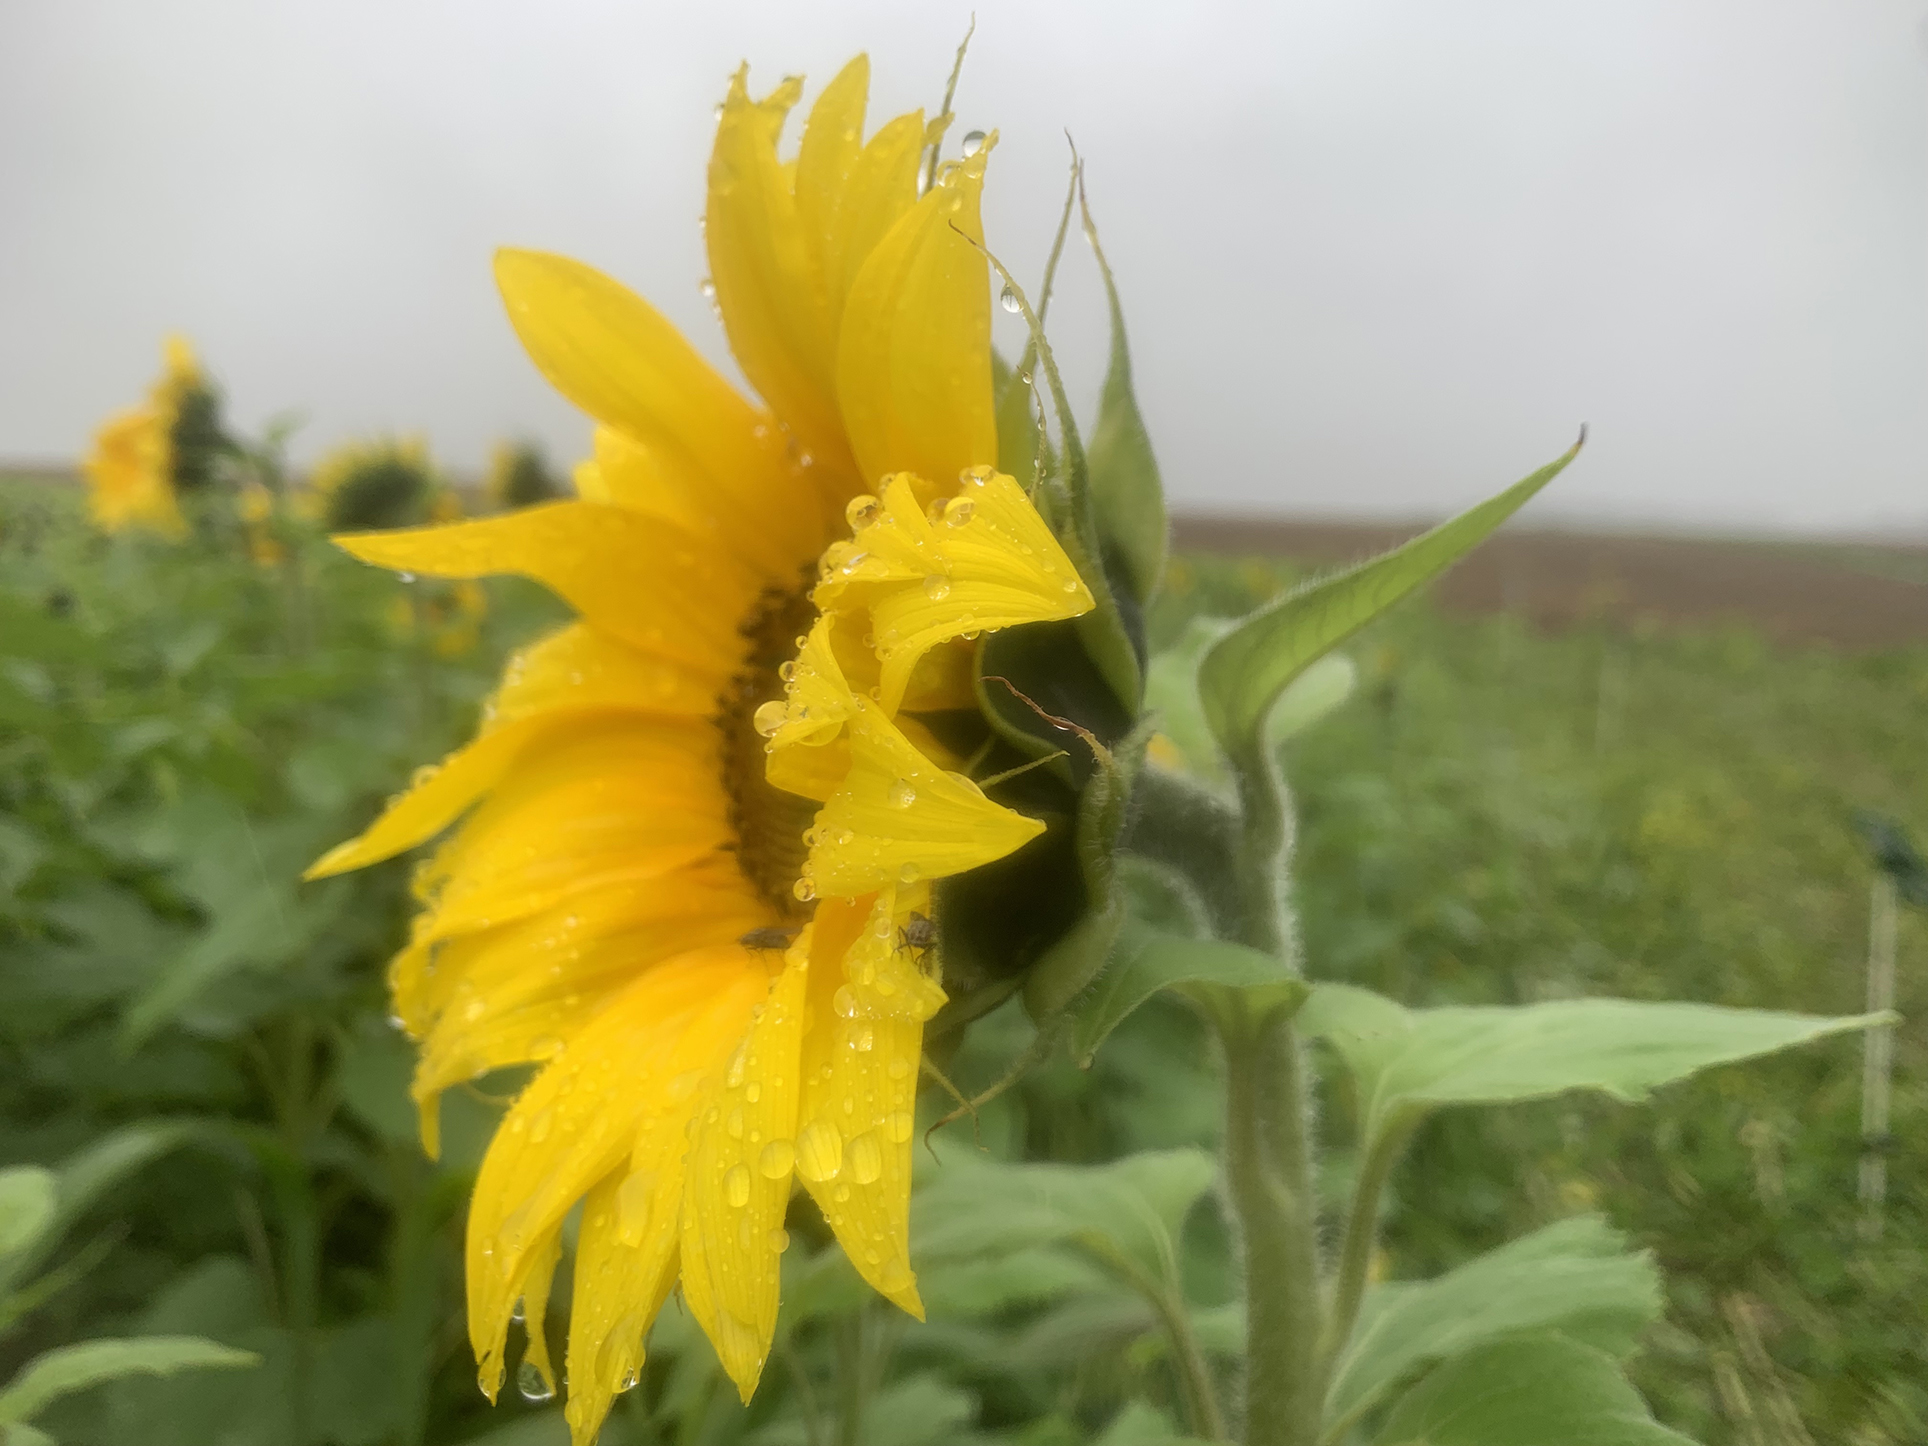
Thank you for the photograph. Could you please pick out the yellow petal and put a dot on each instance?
(738, 1185)
(816, 695)
(684, 604)
(616, 357)
(602, 801)
(537, 1278)
(646, 1052)
(914, 351)
(833, 139)
(769, 286)
(899, 818)
(625, 1268)
(857, 1114)
(881, 187)
(974, 562)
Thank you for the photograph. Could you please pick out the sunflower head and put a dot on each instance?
(829, 697)
(374, 483)
(519, 476)
(147, 459)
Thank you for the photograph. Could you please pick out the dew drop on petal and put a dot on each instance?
(961, 510)
(862, 510)
(629, 1380)
(1008, 299)
(530, 1382)
(866, 1159)
(1071, 584)
(769, 717)
(899, 1126)
(633, 1199)
(753, 1092)
(844, 1001)
(864, 1040)
(899, 1067)
(779, 1157)
(819, 1152)
(973, 142)
(901, 794)
(909, 874)
(805, 890)
(779, 1241)
(736, 1186)
(734, 1124)
(707, 286)
(937, 587)
(896, 1275)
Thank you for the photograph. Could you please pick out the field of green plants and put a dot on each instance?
(198, 1045)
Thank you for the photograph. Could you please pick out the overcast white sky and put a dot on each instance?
(1380, 256)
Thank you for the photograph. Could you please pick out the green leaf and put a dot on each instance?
(1147, 960)
(1172, 690)
(1246, 670)
(1409, 1061)
(28, 1195)
(87, 1174)
(1126, 1214)
(61, 1372)
(1575, 1276)
(1139, 1425)
(1126, 493)
(1527, 1391)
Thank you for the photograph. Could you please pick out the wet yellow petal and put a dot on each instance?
(533, 1290)
(899, 818)
(816, 695)
(764, 264)
(738, 1185)
(914, 351)
(857, 1115)
(602, 801)
(951, 568)
(625, 1268)
(833, 139)
(647, 1051)
(881, 187)
(684, 604)
(573, 672)
(617, 358)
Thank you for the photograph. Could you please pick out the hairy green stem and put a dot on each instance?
(1268, 1168)
(1355, 1253)
(1167, 1301)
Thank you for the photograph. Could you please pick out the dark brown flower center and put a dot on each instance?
(768, 823)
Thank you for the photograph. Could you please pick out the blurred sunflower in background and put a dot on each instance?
(519, 476)
(699, 826)
(377, 482)
(148, 459)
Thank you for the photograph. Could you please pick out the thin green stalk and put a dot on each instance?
(852, 1378)
(1194, 1372)
(1355, 1253)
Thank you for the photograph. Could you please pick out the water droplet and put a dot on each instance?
(899, 1126)
(406, 576)
(739, 1063)
(779, 1241)
(937, 587)
(769, 717)
(973, 142)
(1008, 299)
(819, 1152)
(896, 1275)
(684, 1085)
(844, 1001)
(515, 1316)
(1071, 584)
(787, 671)
(736, 1186)
(707, 286)
(840, 1194)
(899, 1067)
(395, 1021)
(901, 794)
(734, 1124)
(959, 512)
(805, 890)
(533, 1385)
(539, 1126)
(861, 511)
(629, 1380)
(778, 1159)
(909, 874)
(753, 1092)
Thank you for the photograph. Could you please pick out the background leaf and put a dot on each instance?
(1147, 960)
(61, 1372)
(1409, 1061)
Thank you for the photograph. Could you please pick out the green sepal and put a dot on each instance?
(1067, 969)
(1146, 960)
(1018, 439)
(1127, 496)
(1246, 670)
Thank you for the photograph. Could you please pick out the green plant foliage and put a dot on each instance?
(74, 1368)
(1407, 1062)
(1147, 960)
(1574, 1276)
(1530, 1391)
(1243, 674)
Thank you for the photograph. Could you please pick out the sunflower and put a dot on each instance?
(699, 826)
(375, 483)
(519, 476)
(146, 456)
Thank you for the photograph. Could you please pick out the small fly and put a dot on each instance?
(918, 934)
(768, 938)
